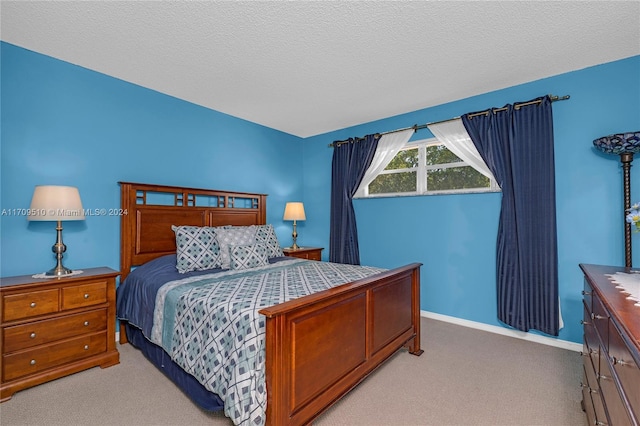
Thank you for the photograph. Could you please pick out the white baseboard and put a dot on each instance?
(564, 344)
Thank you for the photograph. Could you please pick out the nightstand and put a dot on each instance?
(53, 327)
(311, 253)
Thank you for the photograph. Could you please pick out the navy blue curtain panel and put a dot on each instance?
(516, 143)
(350, 161)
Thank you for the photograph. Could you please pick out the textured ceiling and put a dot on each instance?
(311, 67)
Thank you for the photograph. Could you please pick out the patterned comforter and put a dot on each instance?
(210, 325)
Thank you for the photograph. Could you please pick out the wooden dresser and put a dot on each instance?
(611, 354)
(53, 327)
(311, 253)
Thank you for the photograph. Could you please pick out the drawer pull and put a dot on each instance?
(32, 335)
(602, 376)
(583, 322)
(86, 347)
(33, 304)
(620, 362)
(594, 316)
(586, 293)
(33, 362)
(591, 390)
(86, 323)
(582, 385)
(599, 423)
(86, 295)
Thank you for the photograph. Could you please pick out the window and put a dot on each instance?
(428, 167)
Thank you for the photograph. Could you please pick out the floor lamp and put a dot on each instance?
(624, 145)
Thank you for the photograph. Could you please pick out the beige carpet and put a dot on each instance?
(464, 377)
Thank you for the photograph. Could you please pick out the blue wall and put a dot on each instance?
(454, 236)
(65, 125)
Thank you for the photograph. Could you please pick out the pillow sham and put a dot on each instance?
(267, 235)
(197, 248)
(248, 256)
(235, 236)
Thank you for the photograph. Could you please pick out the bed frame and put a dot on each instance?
(318, 347)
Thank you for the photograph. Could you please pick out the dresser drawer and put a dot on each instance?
(40, 332)
(33, 361)
(596, 394)
(310, 253)
(625, 367)
(591, 340)
(618, 414)
(600, 319)
(84, 295)
(313, 255)
(29, 304)
(592, 397)
(587, 296)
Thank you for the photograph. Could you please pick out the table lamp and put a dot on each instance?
(625, 145)
(56, 203)
(294, 211)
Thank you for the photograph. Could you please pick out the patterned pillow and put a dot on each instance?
(236, 236)
(197, 248)
(248, 256)
(267, 235)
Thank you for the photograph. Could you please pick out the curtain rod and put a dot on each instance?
(416, 127)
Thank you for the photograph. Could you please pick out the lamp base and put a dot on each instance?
(294, 236)
(59, 248)
(58, 271)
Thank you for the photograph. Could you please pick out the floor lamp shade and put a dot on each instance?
(624, 145)
(294, 211)
(56, 203)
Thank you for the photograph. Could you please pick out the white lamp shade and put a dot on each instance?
(55, 203)
(294, 211)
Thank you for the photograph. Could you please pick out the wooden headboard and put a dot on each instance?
(148, 211)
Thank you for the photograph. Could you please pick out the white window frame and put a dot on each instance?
(421, 174)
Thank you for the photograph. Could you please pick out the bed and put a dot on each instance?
(308, 349)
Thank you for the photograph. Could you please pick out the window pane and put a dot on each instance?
(456, 178)
(440, 154)
(394, 182)
(405, 159)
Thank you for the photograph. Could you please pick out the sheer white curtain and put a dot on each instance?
(388, 146)
(454, 136)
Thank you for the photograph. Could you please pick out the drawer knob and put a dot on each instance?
(86, 295)
(32, 335)
(86, 323)
(86, 347)
(621, 362)
(33, 362)
(33, 304)
(586, 293)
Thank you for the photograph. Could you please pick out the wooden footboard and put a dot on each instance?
(320, 346)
